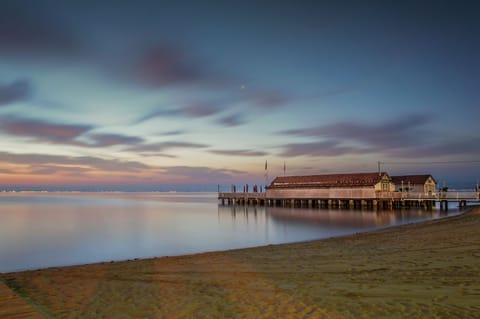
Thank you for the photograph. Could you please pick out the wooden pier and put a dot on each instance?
(381, 200)
(243, 198)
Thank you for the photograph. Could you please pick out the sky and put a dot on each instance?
(157, 95)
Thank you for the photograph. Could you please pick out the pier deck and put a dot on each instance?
(380, 200)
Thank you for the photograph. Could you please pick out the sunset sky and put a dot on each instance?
(173, 95)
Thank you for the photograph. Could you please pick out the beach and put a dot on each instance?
(425, 270)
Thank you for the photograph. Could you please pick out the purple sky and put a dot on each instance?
(150, 94)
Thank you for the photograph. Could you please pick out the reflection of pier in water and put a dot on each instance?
(338, 218)
(244, 211)
(250, 218)
(347, 218)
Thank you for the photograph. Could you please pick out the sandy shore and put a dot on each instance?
(426, 270)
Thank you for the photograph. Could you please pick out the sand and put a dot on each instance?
(425, 270)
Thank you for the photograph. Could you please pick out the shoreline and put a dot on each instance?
(416, 270)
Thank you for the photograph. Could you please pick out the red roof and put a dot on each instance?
(412, 179)
(330, 180)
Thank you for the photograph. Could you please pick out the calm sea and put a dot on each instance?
(39, 230)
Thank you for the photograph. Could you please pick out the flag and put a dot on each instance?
(266, 173)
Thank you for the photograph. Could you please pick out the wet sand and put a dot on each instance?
(425, 270)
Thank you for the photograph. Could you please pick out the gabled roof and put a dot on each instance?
(330, 180)
(412, 179)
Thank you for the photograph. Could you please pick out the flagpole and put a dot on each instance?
(266, 174)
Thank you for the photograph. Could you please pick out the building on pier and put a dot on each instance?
(331, 190)
(332, 186)
(415, 183)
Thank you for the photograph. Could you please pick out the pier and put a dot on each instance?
(382, 200)
(374, 190)
(234, 198)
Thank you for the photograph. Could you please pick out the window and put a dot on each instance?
(384, 187)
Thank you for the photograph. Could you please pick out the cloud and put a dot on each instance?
(404, 137)
(94, 170)
(32, 32)
(163, 146)
(68, 134)
(201, 174)
(261, 100)
(239, 152)
(19, 90)
(232, 120)
(265, 99)
(458, 148)
(169, 65)
(51, 169)
(173, 133)
(325, 148)
(200, 110)
(395, 133)
(54, 163)
(192, 110)
(43, 131)
(104, 140)
(111, 164)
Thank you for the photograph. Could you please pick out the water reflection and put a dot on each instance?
(347, 218)
(55, 229)
(334, 218)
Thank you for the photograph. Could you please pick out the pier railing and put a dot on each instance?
(449, 196)
(380, 200)
(242, 195)
(412, 196)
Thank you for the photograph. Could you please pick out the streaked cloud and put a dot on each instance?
(54, 169)
(173, 133)
(328, 148)
(388, 134)
(164, 146)
(82, 169)
(18, 90)
(43, 131)
(239, 153)
(256, 100)
(192, 110)
(267, 99)
(68, 134)
(41, 162)
(167, 65)
(405, 137)
(462, 147)
(232, 120)
(202, 174)
(103, 140)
